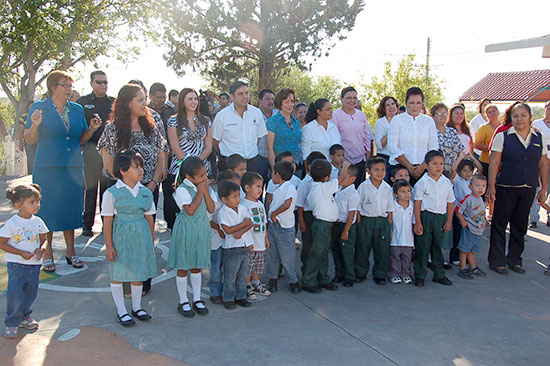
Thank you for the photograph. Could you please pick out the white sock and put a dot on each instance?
(196, 284)
(181, 284)
(136, 297)
(118, 298)
(256, 282)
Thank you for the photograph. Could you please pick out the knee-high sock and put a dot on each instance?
(136, 297)
(181, 284)
(196, 284)
(118, 298)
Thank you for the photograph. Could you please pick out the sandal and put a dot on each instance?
(75, 261)
(48, 266)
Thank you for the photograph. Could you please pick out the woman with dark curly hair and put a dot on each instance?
(457, 120)
(516, 163)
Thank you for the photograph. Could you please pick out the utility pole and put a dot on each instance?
(428, 60)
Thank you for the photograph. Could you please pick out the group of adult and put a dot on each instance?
(69, 136)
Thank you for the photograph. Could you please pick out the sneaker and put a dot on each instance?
(29, 324)
(250, 295)
(261, 290)
(476, 271)
(465, 273)
(533, 225)
(11, 332)
(407, 280)
(456, 263)
(395, 280)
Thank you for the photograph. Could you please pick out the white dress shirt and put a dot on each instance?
(271, 187)
(434, 194)
(228, 217)
(334, 172)
(347, 200)
(375, 202)
(182, 196)
(381, 128)
(108, 203)
(402, 226)
(281, 194)
(303, 191)
(321, 199)
(316, 138)
(543, 128)
(236, 134)
(412, 137)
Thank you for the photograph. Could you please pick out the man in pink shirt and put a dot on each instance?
(355, 131)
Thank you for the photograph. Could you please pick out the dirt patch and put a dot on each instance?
(93, 346)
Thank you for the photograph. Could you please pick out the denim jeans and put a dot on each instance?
(22, 290)
(282, 249)
(215, 283)
(235, 269)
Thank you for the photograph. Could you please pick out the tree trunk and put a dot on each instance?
(265, 74)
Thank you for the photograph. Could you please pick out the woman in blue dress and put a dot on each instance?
(59, 127)
(129, 229)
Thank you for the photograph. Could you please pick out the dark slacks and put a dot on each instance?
(170, 207)
(429, 243)
(307, 238)
(93, 177)
(343, 252)
(373, 235)
(512, 207)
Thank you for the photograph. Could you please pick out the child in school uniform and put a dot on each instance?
(215, 282)
(325, 213)
(190, 243)
(337, 155)
(294, 180)
(471, 214)
(399, 172)
(236, 164)
(433, 212)
(129, 230)
(344, 229)
(236, 224)
(23, 239)
(374, 232)
(252, 183)
(305, 215)
(281, 234)
(402, 239)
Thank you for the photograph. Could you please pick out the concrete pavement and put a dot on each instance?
(497, 320)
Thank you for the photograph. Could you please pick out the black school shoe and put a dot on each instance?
(443, 281)
(272, 285)
(329, 286)
(338, 279)
(144, 315)
(379, 281)
(125, 323)
(200, 311)
(360, 279)
(186, 313)
(311, 289)
(87, 232)
(229, 305)
(348, 283)
(419, 282)
(244, 303)
(295, 287)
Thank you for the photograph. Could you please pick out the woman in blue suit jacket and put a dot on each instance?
(59, 127)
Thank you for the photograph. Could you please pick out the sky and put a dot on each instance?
(387, 31)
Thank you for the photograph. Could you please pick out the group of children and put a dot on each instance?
(238, 238)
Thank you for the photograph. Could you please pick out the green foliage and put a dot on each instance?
(228, 40)
(38, 36)
(395, 82)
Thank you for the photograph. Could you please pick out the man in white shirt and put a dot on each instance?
(412, 135)
(238, 129)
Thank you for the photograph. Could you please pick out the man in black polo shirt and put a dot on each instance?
(97, 102)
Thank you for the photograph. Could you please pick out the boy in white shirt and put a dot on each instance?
(325, 211)
(344, 230)
(271, 187)
(305, 215)
(374, 232)
(281, 234)
(402, 239)
(337, 157)
(252, 183)
(236, 224)
(434, 203)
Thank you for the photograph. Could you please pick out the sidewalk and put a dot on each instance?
(497, 320)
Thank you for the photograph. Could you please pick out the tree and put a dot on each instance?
(395, 83)
(235, 39)
(38, 36)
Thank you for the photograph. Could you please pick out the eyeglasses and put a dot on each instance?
(66, 86)
(101, 82)
(442, 113)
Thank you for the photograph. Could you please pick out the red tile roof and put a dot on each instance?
(510, 86)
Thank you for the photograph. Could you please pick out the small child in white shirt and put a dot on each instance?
(402, 240)
(337, 157)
